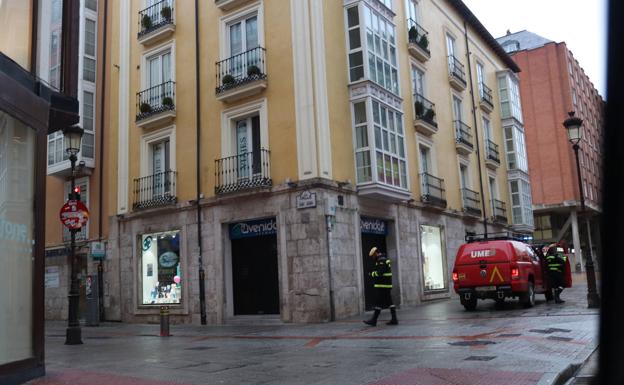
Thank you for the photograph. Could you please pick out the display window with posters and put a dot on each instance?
(161, 270)
(433, 258)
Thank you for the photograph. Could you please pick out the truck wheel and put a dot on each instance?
(549, 295)
(528, 298)
(470, 304)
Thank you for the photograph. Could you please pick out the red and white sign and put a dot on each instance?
(74, 214)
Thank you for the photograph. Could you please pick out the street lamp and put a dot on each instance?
(574, 125)
(72, 138)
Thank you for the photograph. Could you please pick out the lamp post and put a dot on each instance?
(573, 125)
(72, 138)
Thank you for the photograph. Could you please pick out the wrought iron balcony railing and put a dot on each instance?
(462, 133)
(456, 69)
(492, 151)
(243, 171)
(433, 190)
(418, 35)
(499, 210)
(155, 16)
(486, 94)
(424, 109)
(156, 99)
(241, 69)
(155, 190)
(471, 201)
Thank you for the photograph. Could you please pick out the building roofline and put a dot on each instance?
(484, 33)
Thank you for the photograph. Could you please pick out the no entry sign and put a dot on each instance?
(74, 214)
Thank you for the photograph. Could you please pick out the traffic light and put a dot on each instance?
(75, 195)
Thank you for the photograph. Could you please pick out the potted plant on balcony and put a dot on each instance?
(253, 70)
(145, 108)
(167, 102)
(420, 108)
(413, 34)
(430, 114)
(424, 42)
(146, 22)
(165, 12)
(228, 80)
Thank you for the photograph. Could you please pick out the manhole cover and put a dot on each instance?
(510, 335)
(200, 348)
(555, 338)
(472, 343)
(480, 358)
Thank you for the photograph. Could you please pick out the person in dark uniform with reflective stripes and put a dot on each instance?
(556, 265)
(382, 275)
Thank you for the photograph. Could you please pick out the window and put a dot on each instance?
(243, 39)
(387, 3)
(91, 4)
(248, 154)
(457, 108)
(511, 46)
(493, 193)
(381, 50)
(543, 227)
(83, 183)
(158, 69)
(418, 79)
(161, 271)
(464, 179)
(515, 148)
(56, 148)
(87, 123)
(356, 61)
(450, 47)
(521, 210)
(425, 160)
(412, 10)
(88, 72)
(480, 79)
(362, 150)
(433, 262)
(510, 98)
(389, 145)
(487, 130)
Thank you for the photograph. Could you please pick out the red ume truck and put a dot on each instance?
(499, 269)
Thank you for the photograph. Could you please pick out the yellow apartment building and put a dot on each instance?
(257, 149)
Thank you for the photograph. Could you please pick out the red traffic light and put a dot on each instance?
(77, 190)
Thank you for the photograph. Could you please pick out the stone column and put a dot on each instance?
(578, 256)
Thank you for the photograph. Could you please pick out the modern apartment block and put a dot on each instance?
(259, 148)
(88, 172)
(552, 83)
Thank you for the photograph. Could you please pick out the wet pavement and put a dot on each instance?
(436, 343)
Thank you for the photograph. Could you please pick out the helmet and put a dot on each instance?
(372, 251)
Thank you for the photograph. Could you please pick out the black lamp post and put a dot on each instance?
(72, 138)
(573, 125)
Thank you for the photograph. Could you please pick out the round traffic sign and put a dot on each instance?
(74, 214)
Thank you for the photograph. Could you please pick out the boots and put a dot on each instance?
(373, 320)
(557, 295)
(394, 320)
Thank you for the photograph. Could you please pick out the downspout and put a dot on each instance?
(100, 268)
(34, 30)
(202, 286)
(474, 119)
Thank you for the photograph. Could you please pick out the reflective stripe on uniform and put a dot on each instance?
(382, 286)
(387, 274)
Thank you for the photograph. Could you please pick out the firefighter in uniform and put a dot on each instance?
(556, 267)
(382, 275)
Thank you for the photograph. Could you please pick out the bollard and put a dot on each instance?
(164, 321)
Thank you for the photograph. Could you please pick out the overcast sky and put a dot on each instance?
(582, 24)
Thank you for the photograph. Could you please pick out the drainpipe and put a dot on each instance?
(202, 286)
(474, 119)
(332, 306)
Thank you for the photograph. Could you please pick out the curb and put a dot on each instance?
(561, 377)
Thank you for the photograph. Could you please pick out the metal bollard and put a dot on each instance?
(164, 321)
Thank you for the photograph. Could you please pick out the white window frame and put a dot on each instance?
(480, 77)
(465, 163)
(228, 125)
(412, 5)
(243, 13)
(494, 193)
(367, 149)
(414, 68)
(148, 140)
(158, 51)
(424, 141)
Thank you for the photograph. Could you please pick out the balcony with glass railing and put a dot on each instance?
(499, 211)
(241, 172)
(155, 190)
(471, 202)
(432, 190)
(425, 116)
(463, 137)
(156, 22)
(418, 41)
(485, 98)
(492, 156)
(457, 73)
(156, 105)
(241, 75)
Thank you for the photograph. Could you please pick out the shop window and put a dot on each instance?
(161, 273)
(433, 259)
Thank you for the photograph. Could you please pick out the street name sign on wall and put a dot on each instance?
(306, 200)
(74, 214)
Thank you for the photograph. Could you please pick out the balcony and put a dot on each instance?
(433, 191)
(492, 157)
(457, 74)
(418, 45)
(155, 190)
(424, 113)
(463, 137)
(226, 5)
(471, 202)
(499, 211)
(156, 105)
(156, 22)
(485, 98)
(243, 172)
(241, 75)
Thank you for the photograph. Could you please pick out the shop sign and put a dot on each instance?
(255, 228)
(373, 226)
(97, 250)
(74, 214)
(306, 200)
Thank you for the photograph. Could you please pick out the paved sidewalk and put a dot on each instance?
(436, 343)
